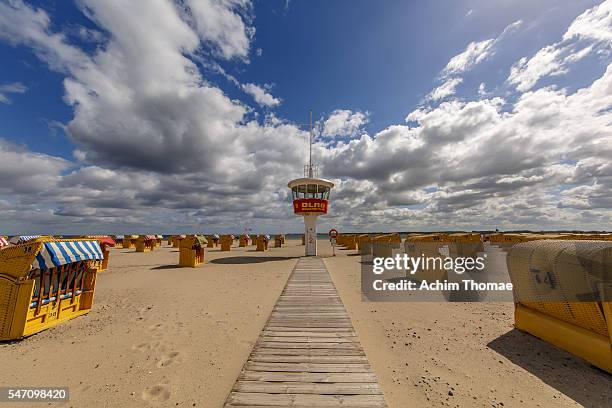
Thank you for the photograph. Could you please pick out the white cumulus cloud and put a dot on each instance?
(591, 31)
(159, 147)
(446, 89)
(261, 96)
(344, 122)
(218, 22)
(476, 52)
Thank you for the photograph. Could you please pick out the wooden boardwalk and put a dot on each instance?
(308, 354)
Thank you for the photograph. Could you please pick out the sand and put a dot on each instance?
(163, 336)
(462, 354)
(157, 335)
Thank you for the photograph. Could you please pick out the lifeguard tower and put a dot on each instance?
(310, 198)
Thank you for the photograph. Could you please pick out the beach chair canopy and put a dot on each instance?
(160, 237)
(118, 236)
(20, 239)
(106, 240)
(3, 242)
(149, 237)
(54, 254)
(216, 236)
(192, 241)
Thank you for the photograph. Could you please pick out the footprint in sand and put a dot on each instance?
(141, 346)
(156, 393)
(155, 327)
(247, 343)
(82, 388)
(179, 326)
(222, 324)
(168, 359)
(160, 348)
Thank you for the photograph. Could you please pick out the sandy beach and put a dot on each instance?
(462, 354)
(461, 149)
(165, 336)
(157, 335)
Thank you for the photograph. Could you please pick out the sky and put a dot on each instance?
(190, 116)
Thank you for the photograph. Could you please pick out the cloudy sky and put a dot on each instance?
(166, 116)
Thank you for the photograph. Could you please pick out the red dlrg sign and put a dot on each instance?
(310, 205)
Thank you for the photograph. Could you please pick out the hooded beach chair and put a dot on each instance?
(45, 282)
(146, 243)
(191, 251)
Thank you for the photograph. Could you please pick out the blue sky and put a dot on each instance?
(320, 55)
(361, 66)
(383, 57)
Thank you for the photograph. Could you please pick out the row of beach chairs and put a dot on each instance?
(552, 274)
(47, 280)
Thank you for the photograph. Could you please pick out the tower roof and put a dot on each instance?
(306, 180)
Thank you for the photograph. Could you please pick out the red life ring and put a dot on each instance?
(333, 233)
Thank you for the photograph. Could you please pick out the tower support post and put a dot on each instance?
(310, 224)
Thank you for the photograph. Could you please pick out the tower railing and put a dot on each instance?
(311, 171)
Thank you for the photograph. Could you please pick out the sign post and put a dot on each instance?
(333, 235)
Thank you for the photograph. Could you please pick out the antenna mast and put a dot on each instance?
(310, 157)
(310, 170)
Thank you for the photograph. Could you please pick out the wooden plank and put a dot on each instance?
(310, 300)
(308, 322)
(279, 344)
(310, 316)
(275, 358)
(310, 287)
(312, 339)
(307, 377)
(310, 319)
(308, 367)
(303, 325)
(316, 288)
(303, 295)
(312, 329)
(303, 314)
(306, 303)
(309, 308)
(308, 354)
(306, 334)
(321, 300)
(307, 388)
(254, 399)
